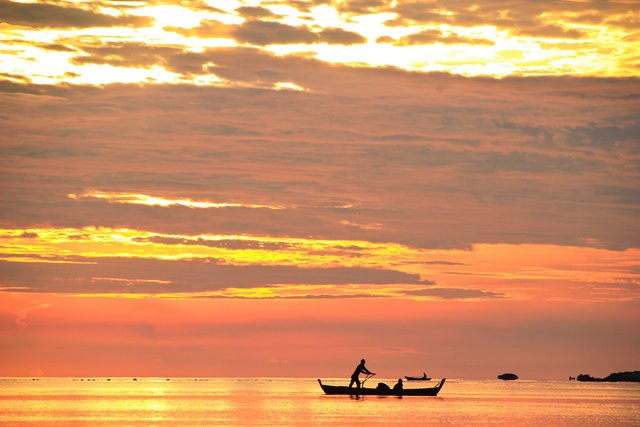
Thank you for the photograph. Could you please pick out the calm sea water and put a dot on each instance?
(300, 401)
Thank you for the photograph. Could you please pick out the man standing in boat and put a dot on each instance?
(360, 369)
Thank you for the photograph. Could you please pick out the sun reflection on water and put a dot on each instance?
(299, 401)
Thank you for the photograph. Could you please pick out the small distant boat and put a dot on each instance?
(362, 391)
(424, 377)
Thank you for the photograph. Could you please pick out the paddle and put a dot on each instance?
(365, 379)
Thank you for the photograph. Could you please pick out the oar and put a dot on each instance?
(365, 379)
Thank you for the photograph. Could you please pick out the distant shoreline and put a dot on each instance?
(632, 376)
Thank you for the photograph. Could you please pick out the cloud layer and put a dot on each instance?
(235, 185)
(54, 16)
(588, 38)
(380, 155)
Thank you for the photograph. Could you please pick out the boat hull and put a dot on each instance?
(355, 391)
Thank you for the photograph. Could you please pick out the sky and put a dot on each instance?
(281, 188)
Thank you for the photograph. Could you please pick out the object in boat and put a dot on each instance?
(508, 377)
(384, 388)
(422, 378)
(381, 391)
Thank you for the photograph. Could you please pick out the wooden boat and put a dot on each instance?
(422, 378)
(362, 391)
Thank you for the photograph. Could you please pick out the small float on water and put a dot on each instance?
(363, 391)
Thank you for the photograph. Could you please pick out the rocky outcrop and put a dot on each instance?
(633, 376)
(589, 378)
(508, 377)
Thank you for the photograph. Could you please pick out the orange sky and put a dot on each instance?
(280, 188)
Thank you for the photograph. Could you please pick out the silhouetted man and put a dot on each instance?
(360, 369)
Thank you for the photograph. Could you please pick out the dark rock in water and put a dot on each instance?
(587, 377)
(633, 376)
(624, 376)
(508, 377)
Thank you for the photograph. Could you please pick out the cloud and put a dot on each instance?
(53, 16)
(606, 135)
(551, 31)
(196, 5)
(426, 174)
(455, 293)
(121, 275)
(219, 243)
(619, 194)
(521, 17)
(263, 33)
(123, 54)
(435, 36)
(144, 276)
(443, 263)
(384, 174)
(253, 12)
(361, 7)
(207, 28)
(22, 315)
(629, 21)
(419, 11)
(58, 47)
(151, 200)
(275, 296)
(432, 292)
(340, 36)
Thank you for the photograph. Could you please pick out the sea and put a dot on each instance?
(300, 401)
